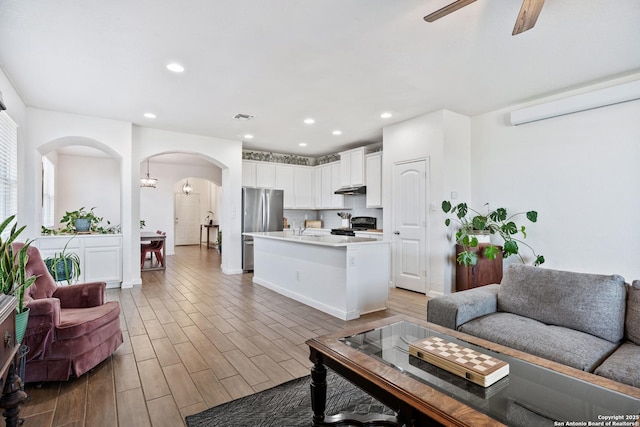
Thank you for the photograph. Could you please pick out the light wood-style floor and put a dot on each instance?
(193, 338)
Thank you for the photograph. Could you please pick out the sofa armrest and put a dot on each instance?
(46, 311)
(83, 295)
(453, 310)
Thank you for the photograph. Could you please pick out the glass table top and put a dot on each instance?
(529, 396)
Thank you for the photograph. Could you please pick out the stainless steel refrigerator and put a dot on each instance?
(261, 211)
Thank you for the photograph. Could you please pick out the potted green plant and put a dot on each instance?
(472, 223)
(13, 273)
(80, 221)
(64, 266)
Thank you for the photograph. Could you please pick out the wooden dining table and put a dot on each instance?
(150, 236)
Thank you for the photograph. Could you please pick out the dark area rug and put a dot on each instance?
(287, 405)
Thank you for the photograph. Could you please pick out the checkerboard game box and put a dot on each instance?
(464, 362)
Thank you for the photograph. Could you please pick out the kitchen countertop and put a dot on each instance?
(316, 239)
(376, 232)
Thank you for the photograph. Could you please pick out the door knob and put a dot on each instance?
(396, 233)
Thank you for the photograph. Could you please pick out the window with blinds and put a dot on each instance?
(48, 192)
(8, 166)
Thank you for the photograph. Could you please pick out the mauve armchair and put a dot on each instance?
(71, 329)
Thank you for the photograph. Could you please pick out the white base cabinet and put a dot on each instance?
(100, 255)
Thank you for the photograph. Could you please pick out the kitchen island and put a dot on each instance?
(340, 275)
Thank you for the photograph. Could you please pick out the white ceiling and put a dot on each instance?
(342, 62)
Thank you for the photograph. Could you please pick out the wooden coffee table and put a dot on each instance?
(537, 391)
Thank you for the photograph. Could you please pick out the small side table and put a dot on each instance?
(208, 227)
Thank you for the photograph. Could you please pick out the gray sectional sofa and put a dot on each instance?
(587, 321)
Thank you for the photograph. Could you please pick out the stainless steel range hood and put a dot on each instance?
(352, 190)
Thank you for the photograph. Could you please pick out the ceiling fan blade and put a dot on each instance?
(528, 15)
(458, 4)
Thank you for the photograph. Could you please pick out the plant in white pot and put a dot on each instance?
(471, 223)
(13, 273)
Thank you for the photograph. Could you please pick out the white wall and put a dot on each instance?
(50, 130)
(86, 181)
(129, 145)
(580, 172)
(442, 137)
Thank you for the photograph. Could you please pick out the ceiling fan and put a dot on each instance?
(527, 17)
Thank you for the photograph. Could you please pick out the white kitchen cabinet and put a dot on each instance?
(265, 175)
(100, 255)
(352, 167)
(258, 174)
(317, 187)
(373, 181)
(248, 173)
(327, 188)
(327, 182)
(284, 181)
(297, 182)
(337, 200)
(303, 187)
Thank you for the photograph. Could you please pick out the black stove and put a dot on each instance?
(358, 223)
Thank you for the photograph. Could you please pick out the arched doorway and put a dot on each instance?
(161, 208)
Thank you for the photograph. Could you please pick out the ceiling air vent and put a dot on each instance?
(241, 116)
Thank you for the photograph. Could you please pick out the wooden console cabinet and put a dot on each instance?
(10, 383)
(485, 272)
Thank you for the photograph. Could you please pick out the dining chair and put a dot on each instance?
(155, 247)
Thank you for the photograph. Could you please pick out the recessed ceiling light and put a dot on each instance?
(337, 132)
(386, 115)
(309, 121)
(248, 136)
(303, 144)
(175, 67)
(150, 115)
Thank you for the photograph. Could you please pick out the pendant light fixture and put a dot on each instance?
(148, 182)
(187, 188)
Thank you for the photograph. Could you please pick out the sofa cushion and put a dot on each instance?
(76, 322)
(622, 365)
(632, 323)
(563, 345)
(590, 303)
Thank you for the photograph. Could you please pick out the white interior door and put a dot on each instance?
(410, 225)
(187, 219)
